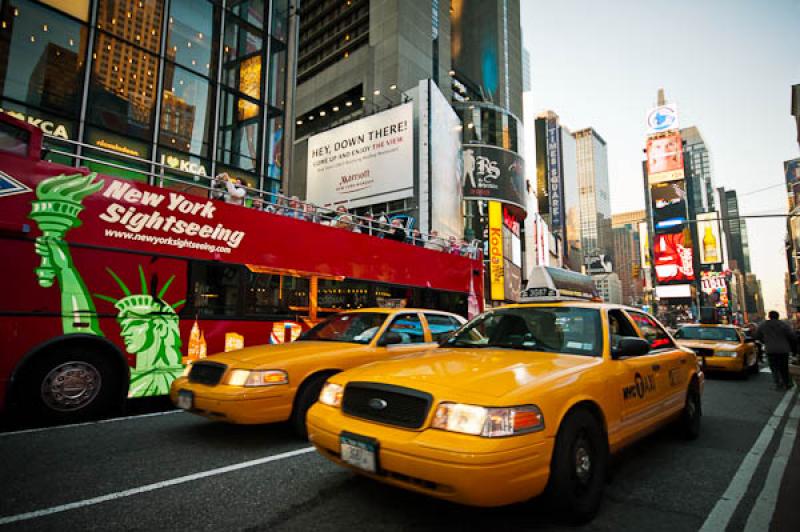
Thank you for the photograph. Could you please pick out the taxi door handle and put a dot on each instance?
(656, 367)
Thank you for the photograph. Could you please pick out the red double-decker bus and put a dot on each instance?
(113, 285)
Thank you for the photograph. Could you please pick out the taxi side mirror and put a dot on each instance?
(390, 338)
(445, 337)
(630, 346)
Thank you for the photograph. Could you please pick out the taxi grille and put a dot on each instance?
(701, 352)
(392, 405)
(207, 372)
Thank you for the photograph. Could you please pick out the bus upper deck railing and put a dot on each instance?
(383, 226)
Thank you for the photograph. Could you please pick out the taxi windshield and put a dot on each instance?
(718, 334)
(357, 327)
(570, 330)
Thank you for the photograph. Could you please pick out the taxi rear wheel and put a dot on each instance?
(306, 396)
(578, 467)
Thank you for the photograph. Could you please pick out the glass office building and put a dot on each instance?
(182, 87)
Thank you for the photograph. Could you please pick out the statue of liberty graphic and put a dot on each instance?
(149, 326)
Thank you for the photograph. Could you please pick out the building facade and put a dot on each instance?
(187, 88)
(698, 175)
(594, 194)
(609, 287)
(628, 256)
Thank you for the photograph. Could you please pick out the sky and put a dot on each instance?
(727, 64)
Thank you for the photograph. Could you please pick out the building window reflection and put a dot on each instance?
(190, 35)
(122, 87)
(186, 111)
(42, 56)
(136, 21)
(239, 132)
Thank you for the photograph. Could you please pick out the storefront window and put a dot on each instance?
(123, 87)
(41, 58)
(275, 148)
(239, 132)
(185, 173)
(190, 35)
(130, 158)
(136, 21)
(186, 111)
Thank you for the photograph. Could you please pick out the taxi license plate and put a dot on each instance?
(185, 399)
(359, 451)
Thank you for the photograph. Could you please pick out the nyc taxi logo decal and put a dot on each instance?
(641, 386)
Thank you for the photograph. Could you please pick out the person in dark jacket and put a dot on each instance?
(779, 341)
(397, 231)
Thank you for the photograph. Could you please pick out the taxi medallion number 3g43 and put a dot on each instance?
(359, 452)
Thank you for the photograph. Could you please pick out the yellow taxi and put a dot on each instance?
(279, 382)
(522, 400)
(720, 347)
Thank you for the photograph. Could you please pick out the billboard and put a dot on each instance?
(672, 256)
(555, 177)
(715, 286)
(708, 236)
(493, 173)
(445, 156)
(365, 161)
(668, 201)
(791, 170)
(662, 118)
(674, 291)
(664, 158)
(496, 273)
(644, 245)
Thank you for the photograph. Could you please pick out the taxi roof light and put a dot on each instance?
(548, 284)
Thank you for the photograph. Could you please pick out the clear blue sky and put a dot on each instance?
(727, 64)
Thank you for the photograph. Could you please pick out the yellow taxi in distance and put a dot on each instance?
(720, 347)
(271, 383)
(522, 400)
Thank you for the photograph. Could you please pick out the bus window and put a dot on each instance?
(214, 289)
(274, 294)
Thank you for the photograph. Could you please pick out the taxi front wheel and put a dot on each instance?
(578, 467)
(692, 412)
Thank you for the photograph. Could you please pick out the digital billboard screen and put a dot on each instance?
(664, 158)
(672, 256)
(669, 204)
(492, 173)
(708, 236)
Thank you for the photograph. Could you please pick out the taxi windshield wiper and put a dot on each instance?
(461, 343)
(523, 347)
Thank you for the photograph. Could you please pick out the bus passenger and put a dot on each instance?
(435, 242)
(397, 231)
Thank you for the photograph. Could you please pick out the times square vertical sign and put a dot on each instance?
(555, 177)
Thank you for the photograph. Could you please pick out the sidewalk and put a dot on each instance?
(787, 509)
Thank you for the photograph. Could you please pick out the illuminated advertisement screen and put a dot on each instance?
(709, 238)
(493, 173)
(496, 262)
(792, 171)
(662, 118)
(715, 286)
(665, 158)
(669, 204)
(672, 255)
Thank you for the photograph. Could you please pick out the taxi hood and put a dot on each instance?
(276, 356)
(458, 373)
(709, 344)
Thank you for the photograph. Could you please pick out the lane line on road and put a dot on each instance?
(722, 512)
(764, 508)
(151, 487)
(100, 422)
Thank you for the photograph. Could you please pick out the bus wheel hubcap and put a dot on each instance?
(71, 386)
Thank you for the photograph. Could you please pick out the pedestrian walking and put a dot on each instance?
(779, 341)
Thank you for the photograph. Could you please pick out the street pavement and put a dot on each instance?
(172, 470)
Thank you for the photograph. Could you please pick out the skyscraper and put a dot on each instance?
(627, 254)
(735, 229)
(594, 193)
(697, 165)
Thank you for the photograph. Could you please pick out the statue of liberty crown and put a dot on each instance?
(143, 303)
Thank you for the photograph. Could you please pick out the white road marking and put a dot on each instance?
(723, 511)
(761, 514)
(151, 487)
(102, 421)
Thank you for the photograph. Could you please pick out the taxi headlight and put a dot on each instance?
(331, 394)
(251, 378)
(725, 354)
(488, 422)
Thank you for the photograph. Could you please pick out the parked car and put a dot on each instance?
(279, 382)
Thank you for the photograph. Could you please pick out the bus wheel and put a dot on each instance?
(74, 383)
(578, 467)
(306, 396)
